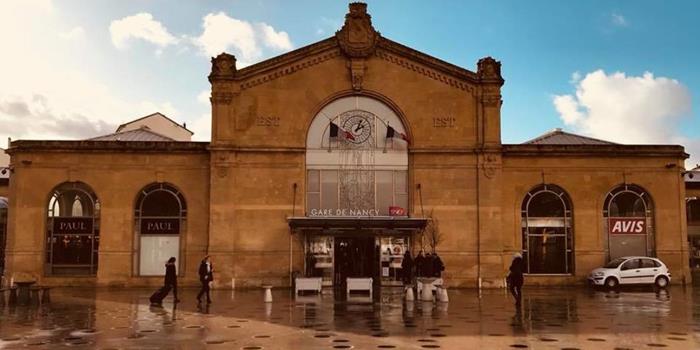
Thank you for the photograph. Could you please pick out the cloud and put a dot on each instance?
(246, 40)
(75, 34)
(628, 109)
(203, 97)
(139, 26)
(619, 20)
(56, 96)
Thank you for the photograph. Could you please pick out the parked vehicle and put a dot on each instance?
(631, 270)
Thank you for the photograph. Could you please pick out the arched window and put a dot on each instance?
(73, 229)
(547, 231)
(160, 215)
(628, 214)
(357, 166)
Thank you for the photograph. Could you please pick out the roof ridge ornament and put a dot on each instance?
(223, 67)
(488, 69)
(357, 37)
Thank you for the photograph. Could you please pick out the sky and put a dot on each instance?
(623, 71)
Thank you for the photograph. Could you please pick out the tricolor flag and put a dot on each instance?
(338, 133)
(391, 133)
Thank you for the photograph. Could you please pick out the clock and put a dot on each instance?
(359, 125)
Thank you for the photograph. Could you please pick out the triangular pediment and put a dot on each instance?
(357, 40)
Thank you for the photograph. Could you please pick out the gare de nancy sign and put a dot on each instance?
(393, 211)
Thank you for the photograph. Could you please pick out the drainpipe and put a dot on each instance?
(291, 232)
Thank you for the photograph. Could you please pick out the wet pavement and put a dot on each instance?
(550, 319)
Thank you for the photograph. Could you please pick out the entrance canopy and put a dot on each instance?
(357, 223)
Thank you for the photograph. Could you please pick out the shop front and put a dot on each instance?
(374, 247)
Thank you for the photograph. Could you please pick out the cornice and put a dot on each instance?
(528, 150)
(434, 63)
(281, 70)
(107, 146)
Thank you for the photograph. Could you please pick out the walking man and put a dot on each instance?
(171, 277)
(206, 275)
(515, 278)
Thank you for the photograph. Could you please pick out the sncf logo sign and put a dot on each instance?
(627, 226)
(397, 211)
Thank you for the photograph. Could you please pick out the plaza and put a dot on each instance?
(563, 318)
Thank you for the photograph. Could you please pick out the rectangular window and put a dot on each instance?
(385, 193)
(329, 189)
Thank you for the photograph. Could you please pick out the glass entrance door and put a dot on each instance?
(354, 257)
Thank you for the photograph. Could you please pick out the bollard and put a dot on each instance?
(443, 295)
(268, 293)
(409, 294)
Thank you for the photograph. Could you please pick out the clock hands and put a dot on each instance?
(359, 127)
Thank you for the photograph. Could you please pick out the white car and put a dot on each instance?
(631, 270)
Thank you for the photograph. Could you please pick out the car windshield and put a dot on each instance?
(615, 263)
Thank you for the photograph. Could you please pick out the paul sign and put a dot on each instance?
(153, 226)
(72, 226)
(627, 226)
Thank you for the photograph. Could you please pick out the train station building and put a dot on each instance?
(333, 160)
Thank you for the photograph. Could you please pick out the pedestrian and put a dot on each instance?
(419, 262)
(171, 277)
(407, 268)
(428, 265)
(515, 278)
(206, 275)
(438, 266)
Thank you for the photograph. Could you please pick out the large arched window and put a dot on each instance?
(357, 166)
(547, 231)
(628, 214)
(160, 215)
(73, 229)
(3, 232)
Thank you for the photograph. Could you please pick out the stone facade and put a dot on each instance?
(242, 187)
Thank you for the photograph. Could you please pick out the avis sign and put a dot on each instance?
(397, 211)
(622, 226)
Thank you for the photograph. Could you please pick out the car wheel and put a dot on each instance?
(661, 282)
(611, 282)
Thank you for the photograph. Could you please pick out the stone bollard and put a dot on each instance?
(268, 293)
(409, 293)
(442, 292)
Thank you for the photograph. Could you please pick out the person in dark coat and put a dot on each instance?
(438, 266)
(428, 265)
(515, 278)
(206, 275)
(407, 268)
(171, 277)
(419, 262)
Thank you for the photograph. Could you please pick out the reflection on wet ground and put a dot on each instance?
(549, 319)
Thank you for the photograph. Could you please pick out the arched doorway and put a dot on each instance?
(357, 167)
(160, 214)
(628, 214)
(73, 230)
(547, 231)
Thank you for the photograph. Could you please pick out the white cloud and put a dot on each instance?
(628, 109)
(75, 34)
(273, 39)
(619, 20)
(140, 26)
(203, 97)
(223, 33)
(201, 127)
(55, 97)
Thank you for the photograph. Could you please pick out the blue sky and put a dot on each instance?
(547, 48)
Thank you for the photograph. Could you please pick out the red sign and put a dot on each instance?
(72, 226)
(157, 226)
(397, 211)
(617, 226)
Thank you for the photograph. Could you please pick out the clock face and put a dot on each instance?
(359, 126)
